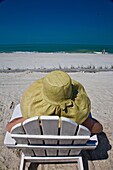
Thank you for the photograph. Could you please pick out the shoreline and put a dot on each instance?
(55, 52)
(58, 47)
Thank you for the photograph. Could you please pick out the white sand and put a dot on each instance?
(99, 87)
(53, 60)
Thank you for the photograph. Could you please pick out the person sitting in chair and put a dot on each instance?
(57, 94)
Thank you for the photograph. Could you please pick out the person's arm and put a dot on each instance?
(93, 125)
(14, 122)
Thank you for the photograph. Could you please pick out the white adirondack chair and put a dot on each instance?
(49, 139)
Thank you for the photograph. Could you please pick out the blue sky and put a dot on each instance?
(56, 21)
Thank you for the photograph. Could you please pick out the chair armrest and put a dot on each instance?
(8, 140)
(93, 140)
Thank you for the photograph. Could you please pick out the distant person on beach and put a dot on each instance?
(103, 51)
(57, 94)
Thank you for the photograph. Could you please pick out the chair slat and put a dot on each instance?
(18, 129)
(50, 127)
(16, 113)
(68, 128)
(32, 127)
(82, 131)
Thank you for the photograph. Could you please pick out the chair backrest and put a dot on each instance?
(50, 136)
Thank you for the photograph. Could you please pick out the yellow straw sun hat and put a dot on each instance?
(56, 94)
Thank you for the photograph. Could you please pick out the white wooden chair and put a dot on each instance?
(50, 139)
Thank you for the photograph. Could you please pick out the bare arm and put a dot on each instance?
(14, 122)
(93, 125)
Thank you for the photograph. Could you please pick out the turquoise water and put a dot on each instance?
(69, 48)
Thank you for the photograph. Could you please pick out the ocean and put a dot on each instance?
(55, 48)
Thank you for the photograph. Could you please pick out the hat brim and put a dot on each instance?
(33, 103)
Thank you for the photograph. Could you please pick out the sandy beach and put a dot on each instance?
(34, 60)
(98, 85)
